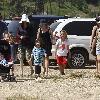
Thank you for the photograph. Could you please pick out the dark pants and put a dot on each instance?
(37, 69)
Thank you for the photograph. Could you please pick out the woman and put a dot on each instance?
(95, 41)
(44, 35)
(25, 47)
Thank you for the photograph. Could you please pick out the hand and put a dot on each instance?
(45, 55)
(22, 37)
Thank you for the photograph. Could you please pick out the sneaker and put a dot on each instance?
(2, 81)
(38, 79)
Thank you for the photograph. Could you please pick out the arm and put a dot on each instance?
(68, 48)
(68, 45)
(5, 28)
(56, 47)
(93, 34)
(20, 33)
(38, 34)
(51, 33)
(32, 54)
(68, 53)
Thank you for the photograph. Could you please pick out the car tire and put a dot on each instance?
(77, 59)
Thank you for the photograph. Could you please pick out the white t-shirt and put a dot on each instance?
(61, 46)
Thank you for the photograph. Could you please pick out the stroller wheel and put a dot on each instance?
(12, 79)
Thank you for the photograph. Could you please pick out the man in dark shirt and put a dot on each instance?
(3, 27)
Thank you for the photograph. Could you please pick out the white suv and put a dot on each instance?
(79, 34)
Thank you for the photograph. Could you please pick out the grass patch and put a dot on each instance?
(21, 97)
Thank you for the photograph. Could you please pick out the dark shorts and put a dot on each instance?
(48, 50)
(37, 69)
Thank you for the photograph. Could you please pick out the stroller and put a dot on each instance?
(6, 73)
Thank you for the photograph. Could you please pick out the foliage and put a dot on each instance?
(56, 7)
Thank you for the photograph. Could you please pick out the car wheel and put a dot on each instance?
(78, 59)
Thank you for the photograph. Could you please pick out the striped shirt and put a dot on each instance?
(38, 54)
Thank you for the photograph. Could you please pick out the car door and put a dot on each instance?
(80, 32)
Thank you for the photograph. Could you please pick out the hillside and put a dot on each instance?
(82, 8)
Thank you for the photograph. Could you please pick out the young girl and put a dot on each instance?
(62, 49)
(38, 54)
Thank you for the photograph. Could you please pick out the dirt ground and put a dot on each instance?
(77, 84)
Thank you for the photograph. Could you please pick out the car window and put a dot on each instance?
(12, 27)
(80, 28)
(54, 25)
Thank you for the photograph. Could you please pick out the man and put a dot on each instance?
(95, 43)
(3, 27)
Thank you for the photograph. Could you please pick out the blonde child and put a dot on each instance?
(62, 49)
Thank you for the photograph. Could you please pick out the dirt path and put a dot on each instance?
(77, 84)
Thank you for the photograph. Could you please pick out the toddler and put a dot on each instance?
(38, 53)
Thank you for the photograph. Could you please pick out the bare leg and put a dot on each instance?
(30, 64)
(61, 69)
(99, 67)
(21, 65)
(29, 59)
(21, 57)
(46, 64)
(98, 64)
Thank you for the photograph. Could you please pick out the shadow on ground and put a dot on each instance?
(90, 65)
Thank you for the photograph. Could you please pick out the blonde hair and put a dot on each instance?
(64, 32)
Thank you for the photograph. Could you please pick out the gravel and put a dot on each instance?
(77, 84)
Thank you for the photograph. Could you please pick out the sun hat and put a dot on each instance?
(24, 18)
